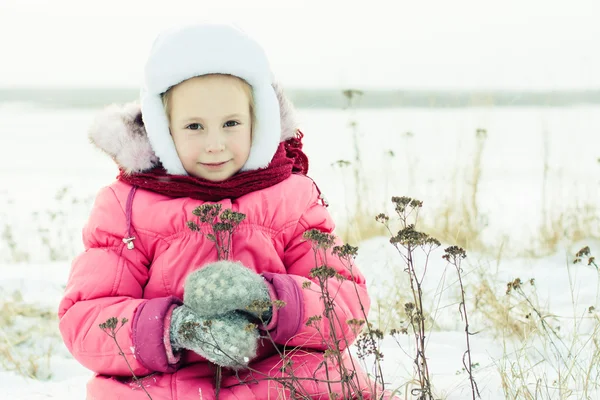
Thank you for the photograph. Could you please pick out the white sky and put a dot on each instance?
(510, 44)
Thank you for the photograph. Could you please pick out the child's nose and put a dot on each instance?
(214, 143)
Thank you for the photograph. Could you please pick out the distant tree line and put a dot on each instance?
(325, 98)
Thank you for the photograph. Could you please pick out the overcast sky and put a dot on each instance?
(509, 44)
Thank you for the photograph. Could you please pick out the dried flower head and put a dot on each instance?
(410, 237)
(189, 330)
(321, 240)
(112, 323)
(514, 285)
(278, 304)
(314, 321)
(454, 254)
(232, 217)
(193, 226)
(261, 308)
(401, 203)
(400, 331)
(207, 213)
(585, 252)
(325, 272)
(382, 218)
(355, 321)
(367, 344)
(259, 305)
(331, 354)
(351, 93)
(222, 226)
(345, 251)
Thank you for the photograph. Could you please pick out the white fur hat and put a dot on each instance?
(182, 53)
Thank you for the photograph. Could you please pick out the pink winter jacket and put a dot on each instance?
(144, 284)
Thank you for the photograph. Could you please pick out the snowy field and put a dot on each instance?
(537, 165)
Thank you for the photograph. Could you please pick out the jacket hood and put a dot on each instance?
(118, 130)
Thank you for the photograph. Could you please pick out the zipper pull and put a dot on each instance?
(129, 242)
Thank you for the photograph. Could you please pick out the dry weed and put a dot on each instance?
(25, 330)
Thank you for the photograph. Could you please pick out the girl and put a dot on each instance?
(212, 129)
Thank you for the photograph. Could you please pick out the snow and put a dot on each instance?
(429, 165)
(564, 290)
(40, 285)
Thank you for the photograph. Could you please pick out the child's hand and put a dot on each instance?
(225, 286)
(229, 340)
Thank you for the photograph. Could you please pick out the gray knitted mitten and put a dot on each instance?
(229, 340)
(225, 286)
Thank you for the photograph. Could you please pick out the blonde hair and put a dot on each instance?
(245, 86)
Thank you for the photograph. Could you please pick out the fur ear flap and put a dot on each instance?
(287, 112)
(119, 132)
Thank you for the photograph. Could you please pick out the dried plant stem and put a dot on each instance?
(346, 255)
(223, 225)
(110, 328)
(417, 321)
(368, 342)
(454, 255)
(406, 241)
(332, 343)
(352, 94)
(551, 334)
(285, 382)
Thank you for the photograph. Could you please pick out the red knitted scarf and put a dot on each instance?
(289, 158)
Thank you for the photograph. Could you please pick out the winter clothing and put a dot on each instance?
(216, 299)
(288, 159)
(187, 51)
(228, 340)
(225, 286)
(139, 251)
(145, 283)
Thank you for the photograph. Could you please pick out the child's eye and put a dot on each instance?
(230, 124)
(194, 126)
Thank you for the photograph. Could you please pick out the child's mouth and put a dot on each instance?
(214, 165)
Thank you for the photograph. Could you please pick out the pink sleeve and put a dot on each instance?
(151, 338)
(107, 281)
(351, 298)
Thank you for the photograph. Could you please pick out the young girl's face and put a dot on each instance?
(210, 119)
